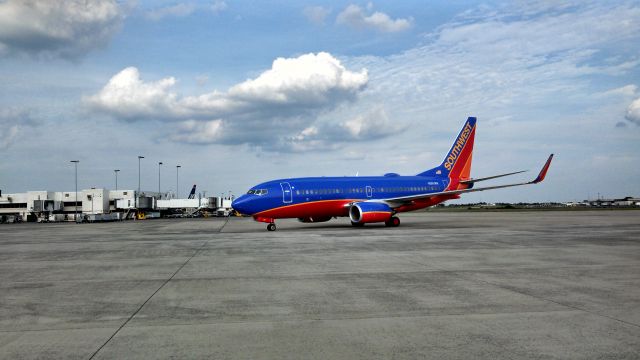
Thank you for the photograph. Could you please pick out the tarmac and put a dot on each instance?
(459, 285)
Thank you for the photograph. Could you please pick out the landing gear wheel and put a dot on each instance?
(357, 224)
(271, 227)
(393, 222)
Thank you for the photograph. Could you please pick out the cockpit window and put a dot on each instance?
(258, 191)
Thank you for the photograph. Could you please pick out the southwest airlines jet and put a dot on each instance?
(370, 199)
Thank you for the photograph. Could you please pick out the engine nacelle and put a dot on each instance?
(369, 212)
(314, 219)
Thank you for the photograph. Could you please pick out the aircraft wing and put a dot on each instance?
(475, 180)
(403, 200)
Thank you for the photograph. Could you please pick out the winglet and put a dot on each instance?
(543, 172)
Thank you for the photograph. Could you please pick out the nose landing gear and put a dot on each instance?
(271, 227)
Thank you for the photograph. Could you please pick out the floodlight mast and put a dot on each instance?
(138, 195)
(75, 217)
(159, 166)
(116, 171)
(177, 183)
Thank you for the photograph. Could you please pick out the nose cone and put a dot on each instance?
(241, 205)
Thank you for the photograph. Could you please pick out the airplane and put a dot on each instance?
(371, 199)
(192, 194)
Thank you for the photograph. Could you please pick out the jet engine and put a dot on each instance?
(314, 219)
(369, 212)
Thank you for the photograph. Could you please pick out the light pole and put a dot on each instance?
(139, 157)
(177, 183)
(116, 171)
(159, 164)
(75, 163)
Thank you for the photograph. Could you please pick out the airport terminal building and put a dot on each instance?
(101, 205)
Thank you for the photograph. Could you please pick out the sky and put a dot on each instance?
(241, 92)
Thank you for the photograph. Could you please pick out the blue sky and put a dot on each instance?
(242, 92)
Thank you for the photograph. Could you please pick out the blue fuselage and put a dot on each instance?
(283, 198)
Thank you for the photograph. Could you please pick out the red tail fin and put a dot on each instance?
(457, 163)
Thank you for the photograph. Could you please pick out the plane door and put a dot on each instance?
(369, 191)
(287, 195)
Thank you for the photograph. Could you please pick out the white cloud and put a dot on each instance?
(561, 31)
(66, 28)
(260, 112)
(127, 97)
(373, 125)
(316, 14)
(308, 139)
(8, 135)
(12, 122)
(201, 80)
(218, 6)
(292, 84)
(306, 80)
(184, 9)
(177, 10)
(333, 135)
(633, 112)
(626, 91)
(199, 132)
(307, 133)
(503, 63)
(355, 16)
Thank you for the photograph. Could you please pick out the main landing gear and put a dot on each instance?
(393, 222)
(271, 227)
